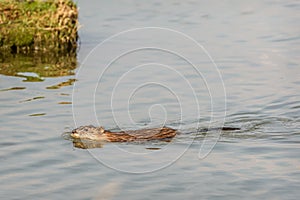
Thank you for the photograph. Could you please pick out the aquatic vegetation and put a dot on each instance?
(38, 25)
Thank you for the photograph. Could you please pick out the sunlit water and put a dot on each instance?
(256, 48)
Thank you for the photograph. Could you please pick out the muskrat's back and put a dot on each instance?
(100, 134)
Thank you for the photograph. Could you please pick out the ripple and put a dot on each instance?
(32, 99)
(13, 88)
(286, 39)
(37, 114)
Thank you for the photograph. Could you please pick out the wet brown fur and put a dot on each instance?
(95, 133)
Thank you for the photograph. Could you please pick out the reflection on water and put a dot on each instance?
(13, 88)
(37, 114)
(87, 144)
(62, 84)
(38, 66)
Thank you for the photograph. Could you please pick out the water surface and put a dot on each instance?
(256, 49)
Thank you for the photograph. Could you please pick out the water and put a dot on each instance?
(256, 49)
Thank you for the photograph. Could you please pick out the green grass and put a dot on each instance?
(38, 25)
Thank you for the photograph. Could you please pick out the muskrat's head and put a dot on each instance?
(87, 132)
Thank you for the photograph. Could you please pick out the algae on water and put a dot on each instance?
(38, 25)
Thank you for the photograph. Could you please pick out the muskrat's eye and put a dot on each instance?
(101, 129)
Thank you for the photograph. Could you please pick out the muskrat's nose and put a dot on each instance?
(74, 134)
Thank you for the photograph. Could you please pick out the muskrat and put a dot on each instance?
(100, 134)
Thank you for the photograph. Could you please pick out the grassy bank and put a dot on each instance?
(39, 25)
